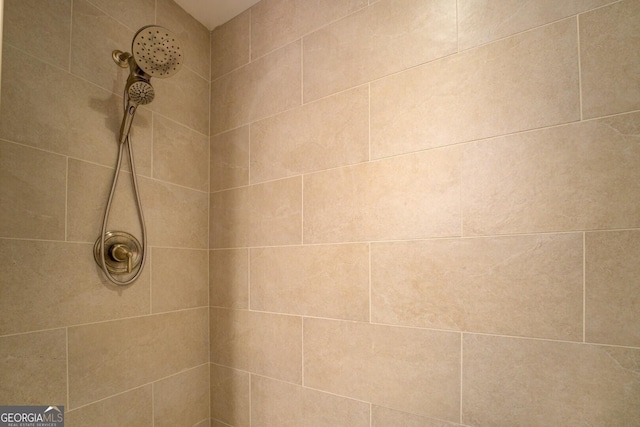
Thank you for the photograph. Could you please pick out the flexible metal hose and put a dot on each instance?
(134, 181)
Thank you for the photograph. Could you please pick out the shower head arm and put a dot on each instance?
(136, 73)
(126, 60)
(121, 58)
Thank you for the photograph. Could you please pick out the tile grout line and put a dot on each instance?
(249, 183)
(150, 266)
(66, 200)
(248, 278)
(301, 71)
(302, 350)
(457, 26)
(209, 388)
(369, 118)
(408, 240)
(250, 44)
(584, 287)
(153, 402)
(153, 145)
(66, 335)
(148, 383)
(68, 70)
(250, 395)
(370, 281)
(579, 67)
(461, 371)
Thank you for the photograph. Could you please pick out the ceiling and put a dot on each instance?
(215, 12)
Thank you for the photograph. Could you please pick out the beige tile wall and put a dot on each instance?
(407, 213)
(428, 217)
(68, 337)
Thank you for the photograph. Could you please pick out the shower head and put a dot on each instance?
(155, 53)
(140, 92)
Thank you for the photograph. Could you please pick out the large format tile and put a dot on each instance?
(131, 409)
(479, 93)
(275, 23)
(386, 37)
(111, 357)
(33, 368)
(32, 189)
(412, 370)
(324, 281)
(519, 285)
(91, 57)
(183, 97)
(612, 294)
(182, 399)
(230, 395)
(229, 159)
(231, 45)
(192, 35)
(259, 215)
(65, 114)
(509, 381)
(574, 177)
(88, 190)
(261, 343)
(609, 60)
(56, 284)
(132, 13)
(176, 216)
(180, 155)
(229, 278)
(260, 89)
(414, 196)
(180, 279)
(385, 417)
(290, 405)
(328, 133)
(39, 28)
(483, 21)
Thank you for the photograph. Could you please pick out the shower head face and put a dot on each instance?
(140, 92)
(156, 51)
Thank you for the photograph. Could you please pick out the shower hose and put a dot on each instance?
(134, 181)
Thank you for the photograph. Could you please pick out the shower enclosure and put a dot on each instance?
(360, 213)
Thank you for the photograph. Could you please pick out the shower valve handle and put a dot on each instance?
(122, 253)
(119, 252)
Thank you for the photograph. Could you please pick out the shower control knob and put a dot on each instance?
(122, 252)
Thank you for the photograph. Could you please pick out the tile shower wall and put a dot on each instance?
(425, 213)
(133, 356)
